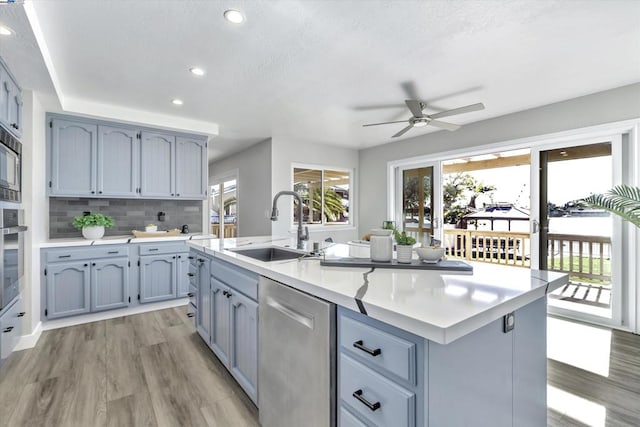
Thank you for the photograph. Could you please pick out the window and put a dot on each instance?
(224, 208)
(325, 195)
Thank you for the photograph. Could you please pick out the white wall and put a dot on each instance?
(254, 186)
(36, 206)
(599, 108)
(287, 152)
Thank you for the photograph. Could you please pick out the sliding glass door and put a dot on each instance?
(570, 236)
(224, 207)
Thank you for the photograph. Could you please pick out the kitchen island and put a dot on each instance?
(462, 349)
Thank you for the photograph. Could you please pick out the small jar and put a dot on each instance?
(381, 248)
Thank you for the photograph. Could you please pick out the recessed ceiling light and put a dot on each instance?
(234, 16)
(177, 101)
(5, 31)
(197, 71)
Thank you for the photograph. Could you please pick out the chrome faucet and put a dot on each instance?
(302, 234)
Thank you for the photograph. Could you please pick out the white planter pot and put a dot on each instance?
(404, 253)
(93, 233)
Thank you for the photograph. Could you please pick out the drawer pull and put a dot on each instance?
(373, 406)
(153, 249)
(190, 257)
(64, 256)
(113, 252)
(360, 345)
(190, 274)
(190, 314)
(190, 294)
(21, 314)
(9, 329)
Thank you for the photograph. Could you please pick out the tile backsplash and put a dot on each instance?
(128, 214)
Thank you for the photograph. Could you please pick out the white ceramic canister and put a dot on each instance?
(381, 248)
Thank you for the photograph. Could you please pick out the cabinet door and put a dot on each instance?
(157, 278)
(157, 165)
(182, 275)
(15, 110)
(220, 340)
(73, 158)
(191, 168)
(203, 319)
(5, 95)
(117, 161)
(68, 286)
(109, 284)
(244, 343)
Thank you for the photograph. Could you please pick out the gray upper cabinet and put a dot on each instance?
(109, 284)
(10, 102)
(73, 158)
(191, 168)
(89, 158)
(157, 165)
(117, 161)
(68, 287)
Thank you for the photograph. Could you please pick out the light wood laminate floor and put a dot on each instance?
(154, 370)
(149, 369)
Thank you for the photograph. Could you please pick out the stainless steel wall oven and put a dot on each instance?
(11, 253)
(10, 174)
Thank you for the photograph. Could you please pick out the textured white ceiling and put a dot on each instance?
(317, 70)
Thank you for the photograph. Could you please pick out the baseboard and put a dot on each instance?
(111, 314)
(29, 341)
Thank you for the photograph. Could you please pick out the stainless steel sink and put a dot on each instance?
(270, 253)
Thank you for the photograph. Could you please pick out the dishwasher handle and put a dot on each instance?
(291, 313)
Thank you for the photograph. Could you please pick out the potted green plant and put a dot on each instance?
(92, 224)
(404, 246)
(622, 200)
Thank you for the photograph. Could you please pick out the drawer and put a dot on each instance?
(193, 295)
(391, 404)
(192, 313)
(347, 419)
(242, 280)
(87, 252)
(162, 248)
(193, 275)
(10, 328)
(380, 349)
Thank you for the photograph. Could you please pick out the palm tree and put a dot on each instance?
(622, 200)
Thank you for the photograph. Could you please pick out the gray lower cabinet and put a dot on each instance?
(10, 327)
(202, 281)
(110, 284)
(83, 280)
(164, 272)
(227, 318)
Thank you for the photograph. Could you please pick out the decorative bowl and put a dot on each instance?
(430, 254)
(359, 249)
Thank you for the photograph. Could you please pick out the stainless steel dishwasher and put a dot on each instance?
(297, 362)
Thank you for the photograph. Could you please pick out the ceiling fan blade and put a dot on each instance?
(385, 123)
(466, 109)
(403, 131)
(444, 125)
(415, 107)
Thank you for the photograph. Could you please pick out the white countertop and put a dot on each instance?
(439, 306)
(119, 240)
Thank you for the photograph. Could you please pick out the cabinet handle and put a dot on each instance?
(172, 194)
(93, 192)
(200, 260)
(86, 265)
(373, 406)
(99, 192)
(178, 194)
(13, 125)
(190, 294)
(224, 293)
(190, 314)
(360, 345)
(64, 256)
(153, 250)
(190, 274)
(113, 252)
(229, 294)
(179, 256)
(190, 257)
(174, 257)
(9, 329)
(93, 264)
(21, 314)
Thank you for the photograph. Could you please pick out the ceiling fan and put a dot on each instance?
(419, 119)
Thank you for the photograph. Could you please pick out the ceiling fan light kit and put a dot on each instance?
(419, 119)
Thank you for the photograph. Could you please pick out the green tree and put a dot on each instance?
(459, 194)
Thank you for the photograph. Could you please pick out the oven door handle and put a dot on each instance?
(14, 230)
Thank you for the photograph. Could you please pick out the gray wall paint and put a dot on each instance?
(254, 186)
(127, 214)
(603, 107)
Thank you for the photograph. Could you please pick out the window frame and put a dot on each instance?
(351, 224)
